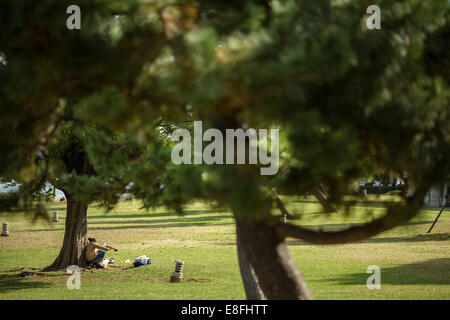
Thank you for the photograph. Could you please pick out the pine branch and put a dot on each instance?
(390, 220)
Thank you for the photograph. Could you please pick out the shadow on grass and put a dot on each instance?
(366, 204)
(363, 204)
(153, 215)
(138, 224)
(62, 207)
(11, 282)
(184, 220)
(168, 225)
(417, 238)
(176, 221)
(305, 201)
(433, 272)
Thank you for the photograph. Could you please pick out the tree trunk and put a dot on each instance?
(321, 195)
(275, 269)
(75, 236)
(251, 285)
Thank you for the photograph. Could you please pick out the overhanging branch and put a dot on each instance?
(394, 217)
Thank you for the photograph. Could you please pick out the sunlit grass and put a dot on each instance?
(414, 265)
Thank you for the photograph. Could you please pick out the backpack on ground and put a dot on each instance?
(141, 261)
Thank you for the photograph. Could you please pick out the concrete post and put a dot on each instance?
(5, 232)
(177, 275)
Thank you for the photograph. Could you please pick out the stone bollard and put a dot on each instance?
(364, 193)
(5, 232)
(177, 275)
(55, 216)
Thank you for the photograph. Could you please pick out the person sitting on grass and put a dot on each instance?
(95, 254)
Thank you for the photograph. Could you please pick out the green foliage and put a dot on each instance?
(349, 101)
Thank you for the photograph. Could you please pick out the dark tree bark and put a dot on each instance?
(275, 269)
(249, 279)
(321, 195)
(75, 236)
(280, 205)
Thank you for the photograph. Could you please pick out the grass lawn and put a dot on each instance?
(414, 265)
